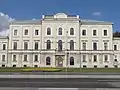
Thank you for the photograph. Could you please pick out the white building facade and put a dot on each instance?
(62, 40)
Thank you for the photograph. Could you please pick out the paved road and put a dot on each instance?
(59, 73)
(60, 83)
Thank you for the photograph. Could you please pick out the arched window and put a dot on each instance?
(60, 31)
(71, 45)
(71, 31)
(48, 61)
(48, 44)
(71, 60)
(60, 45)
(48, 31)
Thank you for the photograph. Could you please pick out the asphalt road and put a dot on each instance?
(60, 83)
(59, 73)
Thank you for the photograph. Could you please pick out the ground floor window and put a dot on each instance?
(14, 65)
(25, 66)
(71, 60)
(116, 66)
(35, 65)
(95, 66)
(106, 66)
(84, 66)
(3, 65)
(48, 61)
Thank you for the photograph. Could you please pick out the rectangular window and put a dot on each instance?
(115, 47)
(105, 46)
(105, 32)
(95, 58)
(4, 46)
(84, 46)
(94, 32)
(36, 45)
(84, 58)
(106, 58)
(84, 32)
(15, 32)
(36, 58)
(94, 46)
(15, 45)
(3, 58)
(36, 32)
(26, 32)
(25, 45)
(25, 58)
(14, 58)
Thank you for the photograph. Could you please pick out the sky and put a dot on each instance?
(104, 10)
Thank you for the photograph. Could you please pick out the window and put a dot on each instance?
(105, 32)
(14, 58)
(25, 58)
(35, 65)
(48, 44)
(105, 46)
(60, 31)
(36, 32)
(84, 46)
(71, 45)
(94, 46)
(48, 31)
(116, 66)
(95, 66)
(71, 31)
(84, 66)
(94, 32)
(3, 58)
(14, 65)
(60, 45)
(4, 47)
(3, 65)
(115, 60)
(15, 32)
(106, 58)
(26, 32)
(25, 66)
(84, 32)
(115, 47)
(71, 60)
(36, 58)
(84, 58)
(95, 58)
(106, 66)
(48, 61)
(15, 45)
(25, 45)
(36, 45)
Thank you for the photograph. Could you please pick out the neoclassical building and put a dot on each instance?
(60, 40)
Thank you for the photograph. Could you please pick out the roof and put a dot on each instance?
(88, 21)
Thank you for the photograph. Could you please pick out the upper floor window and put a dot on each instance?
(71, 60)
(48, 61)
(105, 46)
(25, 45)
(3, 57)
(84, 58)
(25, 57)
(84, 32)
(15, 32)
(84, 46)
(4, 46)
(26, 32)
(36, 32)
(105, 32)
(36, 45)
(60, 45)
(36, 58)
(14, 58)
(71, 45)
(48, 44)
(60, 31)
(106, 58)
(95, 58)
(95, 46)
(15, 45)
(48, 31)
(94, 32)
(115, 47)
(71, 31)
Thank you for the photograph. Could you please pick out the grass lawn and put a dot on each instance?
(60, 69)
